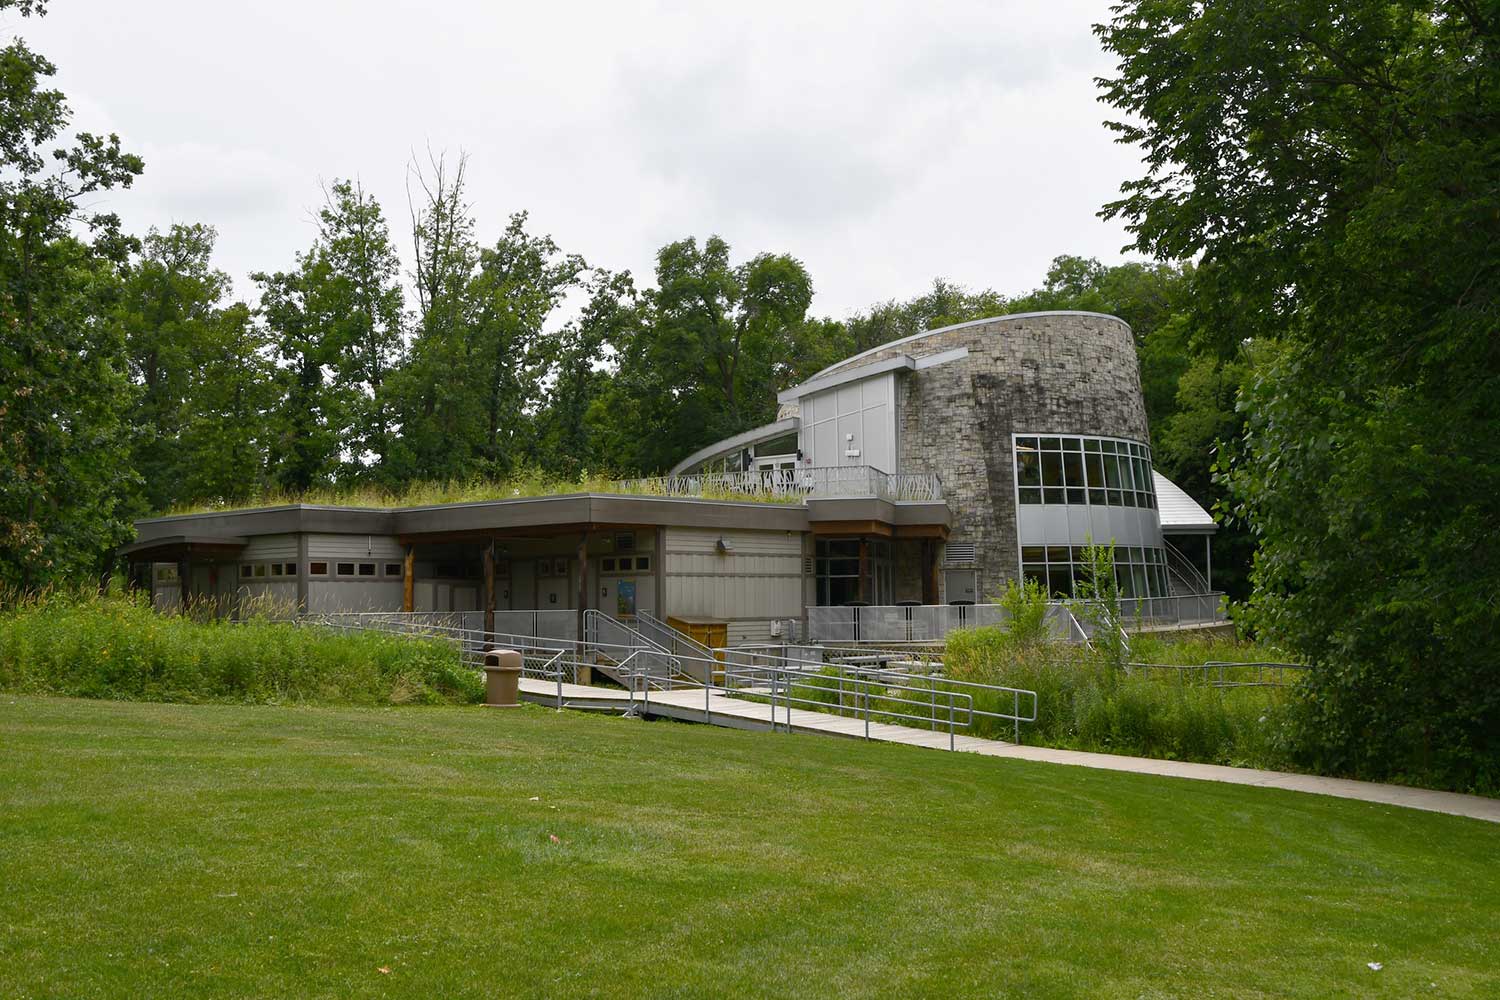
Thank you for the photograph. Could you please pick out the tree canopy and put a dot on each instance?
(1339, 176)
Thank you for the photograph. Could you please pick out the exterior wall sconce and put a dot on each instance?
(724, 545)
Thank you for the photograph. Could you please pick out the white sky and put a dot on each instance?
(882, 144)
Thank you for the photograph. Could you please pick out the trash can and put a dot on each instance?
(502, 678)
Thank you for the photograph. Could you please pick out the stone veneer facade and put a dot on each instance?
(1032, 373)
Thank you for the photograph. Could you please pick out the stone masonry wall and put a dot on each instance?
(1044, 373)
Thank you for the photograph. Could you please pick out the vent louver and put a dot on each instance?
(959, 553)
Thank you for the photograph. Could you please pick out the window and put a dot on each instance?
(318, 568)
(642, 564)
(260, 570)
(276, 570)
(366, 569)
(1140, 572)
(247, 570)
(394, 569)
(345, 569)
(838, 571)
(608, 565)
(1078, 471)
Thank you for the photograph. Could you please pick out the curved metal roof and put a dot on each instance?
(1180, 513)
(960, 326)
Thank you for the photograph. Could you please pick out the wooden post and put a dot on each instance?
(1208, 560)
(489, 593)
(408, 579)
(184, 575)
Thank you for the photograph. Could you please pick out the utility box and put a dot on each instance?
(713, 634)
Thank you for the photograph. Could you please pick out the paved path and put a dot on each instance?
(690, 705)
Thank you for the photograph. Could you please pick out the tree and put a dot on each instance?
(521, 281)
(575, 431)
(64, 472)
(1338, 174)
(170, 308)
(430, 391)
(719, 340)
(304, 443)
(225, 439)
(360, 293)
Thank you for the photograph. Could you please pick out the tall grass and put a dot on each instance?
(1084, 702)
(525, 483)
(118, 647)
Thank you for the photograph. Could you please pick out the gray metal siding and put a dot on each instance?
(759, 578)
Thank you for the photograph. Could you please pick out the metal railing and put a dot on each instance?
(1183, 567)
(921, 622)
(874, 693)
(672, 639)
(834, 676)
(1224, 673)
(1178, 609)
(811, 483)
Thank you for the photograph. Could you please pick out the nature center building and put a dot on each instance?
(932, 470)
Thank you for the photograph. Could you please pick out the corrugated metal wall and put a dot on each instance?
(263, 548)
(378, 547)
(759, 578)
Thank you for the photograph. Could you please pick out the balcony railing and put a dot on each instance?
(794, 485)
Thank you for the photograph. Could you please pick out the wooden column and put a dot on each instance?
(489, 593)
(409, 579)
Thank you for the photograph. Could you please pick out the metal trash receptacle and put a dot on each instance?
(502, 678)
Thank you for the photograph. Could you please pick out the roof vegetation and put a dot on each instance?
(523, 484)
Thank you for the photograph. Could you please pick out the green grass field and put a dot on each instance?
(213, 850)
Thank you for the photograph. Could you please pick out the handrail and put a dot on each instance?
(1183, 566)
(784, 680)
(806, 482)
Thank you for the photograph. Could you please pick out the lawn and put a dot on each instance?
(218, 850)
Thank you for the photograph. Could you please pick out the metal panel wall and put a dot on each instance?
(377, 547)
(759, 577)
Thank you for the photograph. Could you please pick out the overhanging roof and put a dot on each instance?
(170, 547)
(900, 362)
(1180, 514)
(765, 432)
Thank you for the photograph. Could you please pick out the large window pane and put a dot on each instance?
(1028, 468)
(1052, 469)
(1072, 462)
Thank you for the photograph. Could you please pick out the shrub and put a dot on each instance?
(118, 647)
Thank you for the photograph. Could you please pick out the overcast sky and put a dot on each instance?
(882, 144)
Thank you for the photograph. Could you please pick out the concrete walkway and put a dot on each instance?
(692, 705)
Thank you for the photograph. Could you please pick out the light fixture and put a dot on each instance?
(724, 545)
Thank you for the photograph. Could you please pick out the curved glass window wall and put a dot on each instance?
(1057, 469)
(1140, 571)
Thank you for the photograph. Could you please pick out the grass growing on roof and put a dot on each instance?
(183, 851)
(523, 484)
